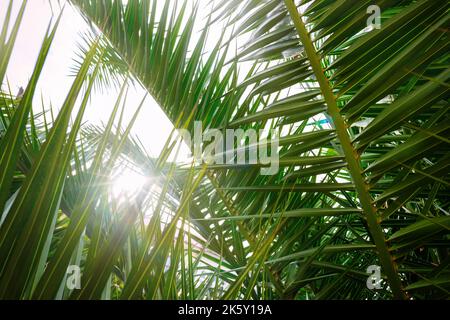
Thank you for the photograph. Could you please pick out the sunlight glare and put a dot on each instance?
(127, 184)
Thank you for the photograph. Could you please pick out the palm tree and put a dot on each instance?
(362, 119)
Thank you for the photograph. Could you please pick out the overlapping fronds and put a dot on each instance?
(362, 117)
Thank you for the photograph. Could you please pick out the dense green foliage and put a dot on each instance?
(363, 122)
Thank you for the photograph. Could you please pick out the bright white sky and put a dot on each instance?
(152, 126)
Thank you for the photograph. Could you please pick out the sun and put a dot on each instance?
(127, 183)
